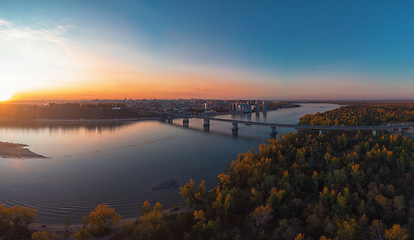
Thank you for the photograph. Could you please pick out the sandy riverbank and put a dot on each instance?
(16, 150)
(58, 229)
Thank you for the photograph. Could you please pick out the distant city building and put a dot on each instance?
(244, 107)
(257, 105)
(233, 107)
(206, 106)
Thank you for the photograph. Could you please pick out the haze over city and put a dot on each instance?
(219, 50)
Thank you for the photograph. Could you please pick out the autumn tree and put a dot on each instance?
(102, 218)
(377, 229)
(202, 226)
(300, 236)
(187, 192)
(192, 198)
(146, 208)
(396, 233)
(152, 225)
(261, 215)
(23, 216)
(43, 235)
(5, 219)
(82, 234)
(348, 230)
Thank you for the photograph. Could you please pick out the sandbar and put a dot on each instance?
(16, 150)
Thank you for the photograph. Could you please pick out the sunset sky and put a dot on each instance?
(277, 50)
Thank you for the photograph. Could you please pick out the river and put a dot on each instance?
(121, 164)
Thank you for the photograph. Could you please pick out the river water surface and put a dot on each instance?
(120, 164)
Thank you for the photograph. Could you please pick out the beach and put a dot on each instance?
(58, 229)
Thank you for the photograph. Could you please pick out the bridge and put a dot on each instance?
(274, 126)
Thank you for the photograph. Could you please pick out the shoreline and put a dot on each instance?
(59, 228)
(113, 120)
(17, 150)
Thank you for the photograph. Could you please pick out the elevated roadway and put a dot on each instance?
(273, 126)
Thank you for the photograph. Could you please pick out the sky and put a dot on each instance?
(277, 50)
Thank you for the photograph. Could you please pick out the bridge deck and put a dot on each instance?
(282, 125)
(301, 126)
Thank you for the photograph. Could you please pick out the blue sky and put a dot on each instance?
(271, 49)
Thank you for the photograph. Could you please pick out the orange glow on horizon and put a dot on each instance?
(166, 86)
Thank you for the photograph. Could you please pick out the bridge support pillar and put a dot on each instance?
(374, 132)
(206, 125)
(320, 132)
(235, 127)
(170, 119)
(273, 132)
(185, 121)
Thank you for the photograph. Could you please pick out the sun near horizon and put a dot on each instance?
(5, 95)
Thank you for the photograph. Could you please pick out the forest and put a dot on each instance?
(299, 186)
(363, 114)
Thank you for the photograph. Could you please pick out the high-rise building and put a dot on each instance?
(257, 105)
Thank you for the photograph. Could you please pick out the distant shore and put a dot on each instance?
(16, 150)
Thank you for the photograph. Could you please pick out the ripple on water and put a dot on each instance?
(120, 167)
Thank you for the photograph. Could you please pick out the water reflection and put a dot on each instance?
(91, 127)
(121, 165)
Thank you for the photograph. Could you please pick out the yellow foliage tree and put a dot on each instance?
(396, 233)
(300, 236)
(102, 218)
(82, 234)
(261, 215)
(43, 235)
(146, 208)
(23, 215)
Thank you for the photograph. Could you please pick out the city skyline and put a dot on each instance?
(215, 50)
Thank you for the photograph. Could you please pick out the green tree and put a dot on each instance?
(399, 205)
(85, 221)
(128, 228)
(66, 232)
(347, 230)
(67, 224)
